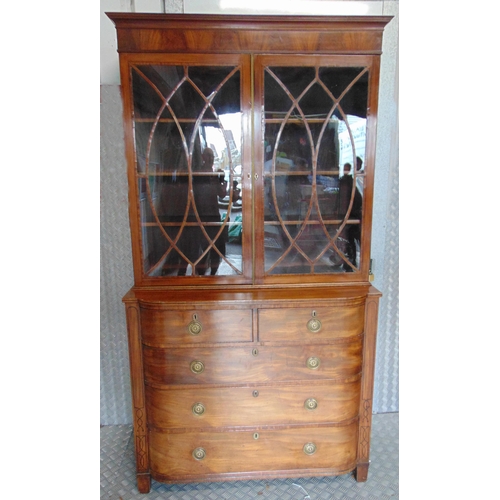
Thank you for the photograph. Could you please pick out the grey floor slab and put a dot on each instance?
(118, 474)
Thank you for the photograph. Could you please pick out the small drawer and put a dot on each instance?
(238, 365)
(311, 323)
(161, 327)
(187, 455)
(258, 405)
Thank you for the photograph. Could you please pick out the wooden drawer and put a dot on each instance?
(245, 406)
(271, 450)
(162, 327)
(239, 365)
(301, 324)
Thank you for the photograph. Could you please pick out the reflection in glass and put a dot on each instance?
(188, 153)
(314, 131)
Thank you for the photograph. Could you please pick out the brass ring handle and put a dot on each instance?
(199, 454)
(314, 324)
(198, 409)
(310, 404)
(197, 366)
(309, 448)
(313, 363)
(195, 328)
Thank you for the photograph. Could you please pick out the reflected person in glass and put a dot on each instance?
(351, 232)
(207, 190)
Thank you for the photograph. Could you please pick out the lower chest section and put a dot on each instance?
(250, 390)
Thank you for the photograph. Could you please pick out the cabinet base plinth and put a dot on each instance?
(143, 482)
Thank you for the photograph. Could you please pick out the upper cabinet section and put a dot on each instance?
(250, 144)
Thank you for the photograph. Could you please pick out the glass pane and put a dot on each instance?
(314, 130)
(350, 85)
(188, 150)
(152, 85)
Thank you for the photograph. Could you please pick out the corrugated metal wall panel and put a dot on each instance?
(116, 262)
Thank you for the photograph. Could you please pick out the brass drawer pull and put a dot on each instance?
(197, 367)
(199, 454)
(313, 363)
(198, 409)
(309, 448)
(195, 327)
(314, 324)
(310, 404)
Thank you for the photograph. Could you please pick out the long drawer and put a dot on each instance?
(252, 406)
(311, 324)
(161, 327)
(239, 365)
(185, 455)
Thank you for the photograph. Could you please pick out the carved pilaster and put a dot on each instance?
(140, 440)
(364, 431)
(365, 408)
(138, 399)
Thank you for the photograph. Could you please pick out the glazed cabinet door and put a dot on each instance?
(187, 118)
(315, 163)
